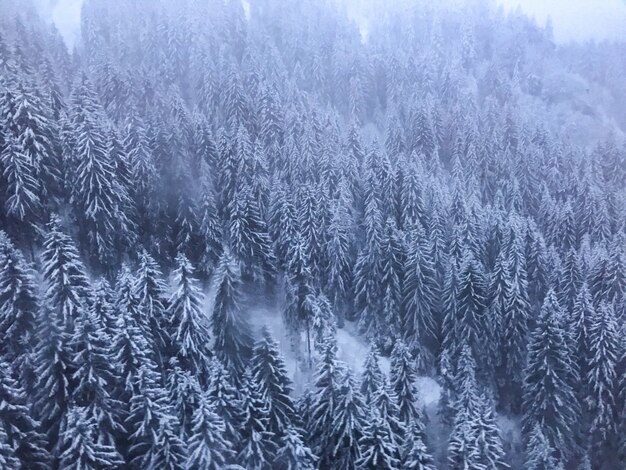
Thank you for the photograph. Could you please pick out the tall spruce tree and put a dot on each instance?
(549, 400)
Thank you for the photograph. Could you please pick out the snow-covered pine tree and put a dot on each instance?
(233, 341)
(223, 396)
(540, 454)
(549, 400)
(95, 378)
(415, 455)
(372, 377)
(18, 302)
(274, 385)
(67, 286)
(403, 377)
(420, 297)
(348, 423)
(292, 453)
(98, 198)
(150, 290)
(378, 448)
(80, 446)
(257, 445)
(602, 379)
(208, 447)
(190, 328)
(21, 432)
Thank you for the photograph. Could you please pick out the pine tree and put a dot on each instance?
(81, 448)
(539, 452)
(601, 402)
(233, 342)
(207, 446)
(210, 230)
(379, 450)
(420, 295)
(403, 377)
(340, 253)
(130, 341)
(372, 377)
(292, 453)
(323, 406)
(257, 447)
(368, 272)
(98, 198)
(274, 386)
(24, 191)
(393, 262)
(8, 458)
(549, 399)
(151, 291)
(580, 324)
(20, 431)
(53, 386)
(471, 312)
(67, 286)
(190, 333)
(348, 423)
(154, 441)
(95, 377)
(514, 332)
(18, 302)
(488, 440)
(223, 396)
(463, 447)
(415, 455)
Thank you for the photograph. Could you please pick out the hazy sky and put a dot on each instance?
(576, 20)
(572, 19)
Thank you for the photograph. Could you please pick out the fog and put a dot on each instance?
(573, 20)
(577, 20)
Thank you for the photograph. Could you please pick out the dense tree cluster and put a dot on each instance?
(416, 182)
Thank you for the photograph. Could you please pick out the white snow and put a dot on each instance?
(352, 349)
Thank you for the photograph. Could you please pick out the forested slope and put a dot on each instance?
(448, 181)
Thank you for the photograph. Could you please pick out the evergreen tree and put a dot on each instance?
(151, 291)
(95, 378)
(18, 302)
(190, 333)
(323, 406)
(257, 446)
(98, 198)
(372, 378)
(67, 286)
(81, 448)
(233, 342)
(274, 386)
(549, 400)
(415, 455)
(539, 452)
(8, 459)
(207, 446)
(20, 432)
(130, 341)
(378, 448)
(292, 453)
(420, 291)
(403, 377)
(601, 402)
(348, 423)
(24, 190)
(223, 396)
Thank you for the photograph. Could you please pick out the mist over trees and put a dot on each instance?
(449, 184)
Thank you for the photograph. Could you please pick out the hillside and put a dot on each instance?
(296, 234)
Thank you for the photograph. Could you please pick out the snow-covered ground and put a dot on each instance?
(351, 349)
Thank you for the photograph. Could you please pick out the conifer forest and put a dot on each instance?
(310, 234)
